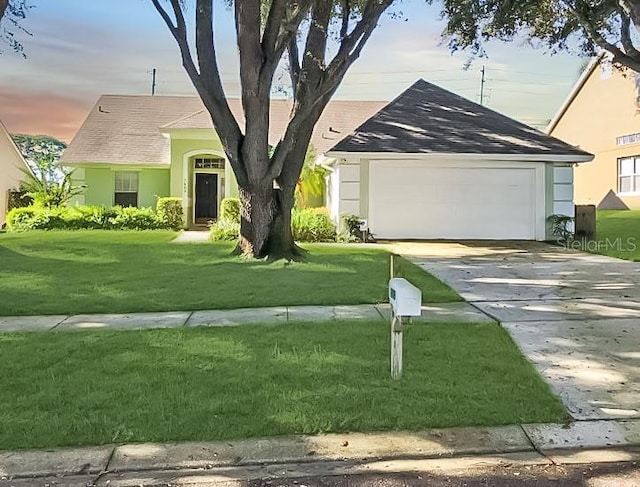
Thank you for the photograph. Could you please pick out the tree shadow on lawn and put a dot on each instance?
(214, 384)
(122, 277)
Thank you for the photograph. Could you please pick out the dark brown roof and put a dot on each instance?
(129, 129)
(429, 119)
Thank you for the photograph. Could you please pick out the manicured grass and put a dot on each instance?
(119, 272)
(618, 235)
(80, 388)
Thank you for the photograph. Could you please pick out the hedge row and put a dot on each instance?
(167, 216)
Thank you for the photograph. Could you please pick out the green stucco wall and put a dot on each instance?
(100, 182)
(154, 184)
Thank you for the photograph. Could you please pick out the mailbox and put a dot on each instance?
(405, 298)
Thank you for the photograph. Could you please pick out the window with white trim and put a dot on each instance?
(629, 175)
(126, 188)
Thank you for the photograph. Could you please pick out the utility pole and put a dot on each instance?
(153, 81)
(482, 82)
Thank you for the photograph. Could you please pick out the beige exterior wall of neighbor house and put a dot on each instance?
(11, 162)
(604, 107)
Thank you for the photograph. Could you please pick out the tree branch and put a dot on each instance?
(211, 90)
(619, 56)
(272, 28)
(625, 36)
(346, 16)
(179, 32)
(313, 61)
(311, 103)
(632, 9)
(294, 64)
(214, 99)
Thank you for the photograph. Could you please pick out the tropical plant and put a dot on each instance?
(312, 179)
(43, 187)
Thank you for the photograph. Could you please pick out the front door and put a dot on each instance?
(206, 197)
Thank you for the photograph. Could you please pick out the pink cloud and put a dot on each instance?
(32, 112)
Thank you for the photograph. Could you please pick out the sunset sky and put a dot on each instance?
(82, 49)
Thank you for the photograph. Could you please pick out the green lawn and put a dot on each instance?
(119, 272)
(618, 235)
(82, 388)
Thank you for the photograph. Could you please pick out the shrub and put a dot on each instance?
(312, 225)
(225, 229)
(169, 211)
(561, 227)
(19, 219)
(350, 230)
(36, 218)
(131, 218)
(230, 209)
(86, 218)
(82, 218)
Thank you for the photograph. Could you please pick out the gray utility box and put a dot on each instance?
(405, 298)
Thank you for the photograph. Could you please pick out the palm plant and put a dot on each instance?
(312, 179)
(46, 190)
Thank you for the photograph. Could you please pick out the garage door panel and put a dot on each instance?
(416, 200)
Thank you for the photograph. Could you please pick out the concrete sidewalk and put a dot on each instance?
(432, 313)
(332, 454)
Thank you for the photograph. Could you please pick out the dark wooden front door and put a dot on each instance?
(206, 197)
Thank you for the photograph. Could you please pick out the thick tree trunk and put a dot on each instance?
(265, 224)
(281, 242)
(257, 209)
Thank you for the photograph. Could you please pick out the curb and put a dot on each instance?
(542, 443)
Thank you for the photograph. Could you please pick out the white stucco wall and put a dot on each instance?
(10, 174)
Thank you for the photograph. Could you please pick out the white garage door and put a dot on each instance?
(416, 199)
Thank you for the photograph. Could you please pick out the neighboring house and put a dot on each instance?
(602, 116)
(132, 149)
(434, 165)
(12, 165)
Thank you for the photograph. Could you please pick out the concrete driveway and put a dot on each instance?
(576, 316)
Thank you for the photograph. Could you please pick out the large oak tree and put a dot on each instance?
(320, 40)
(591, 25)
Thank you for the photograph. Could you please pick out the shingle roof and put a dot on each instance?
(129, 129)
(428, 119)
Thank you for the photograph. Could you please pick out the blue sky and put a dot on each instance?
(82, 49)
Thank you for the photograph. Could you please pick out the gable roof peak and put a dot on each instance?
(426, 118)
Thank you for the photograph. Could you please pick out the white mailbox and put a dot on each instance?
(405, 298)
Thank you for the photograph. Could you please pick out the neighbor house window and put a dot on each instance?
(629, 175)
(208, 163)
(126, 188)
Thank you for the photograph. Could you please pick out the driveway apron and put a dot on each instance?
(576, 316)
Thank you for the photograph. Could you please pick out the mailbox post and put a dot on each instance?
(406, 301)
